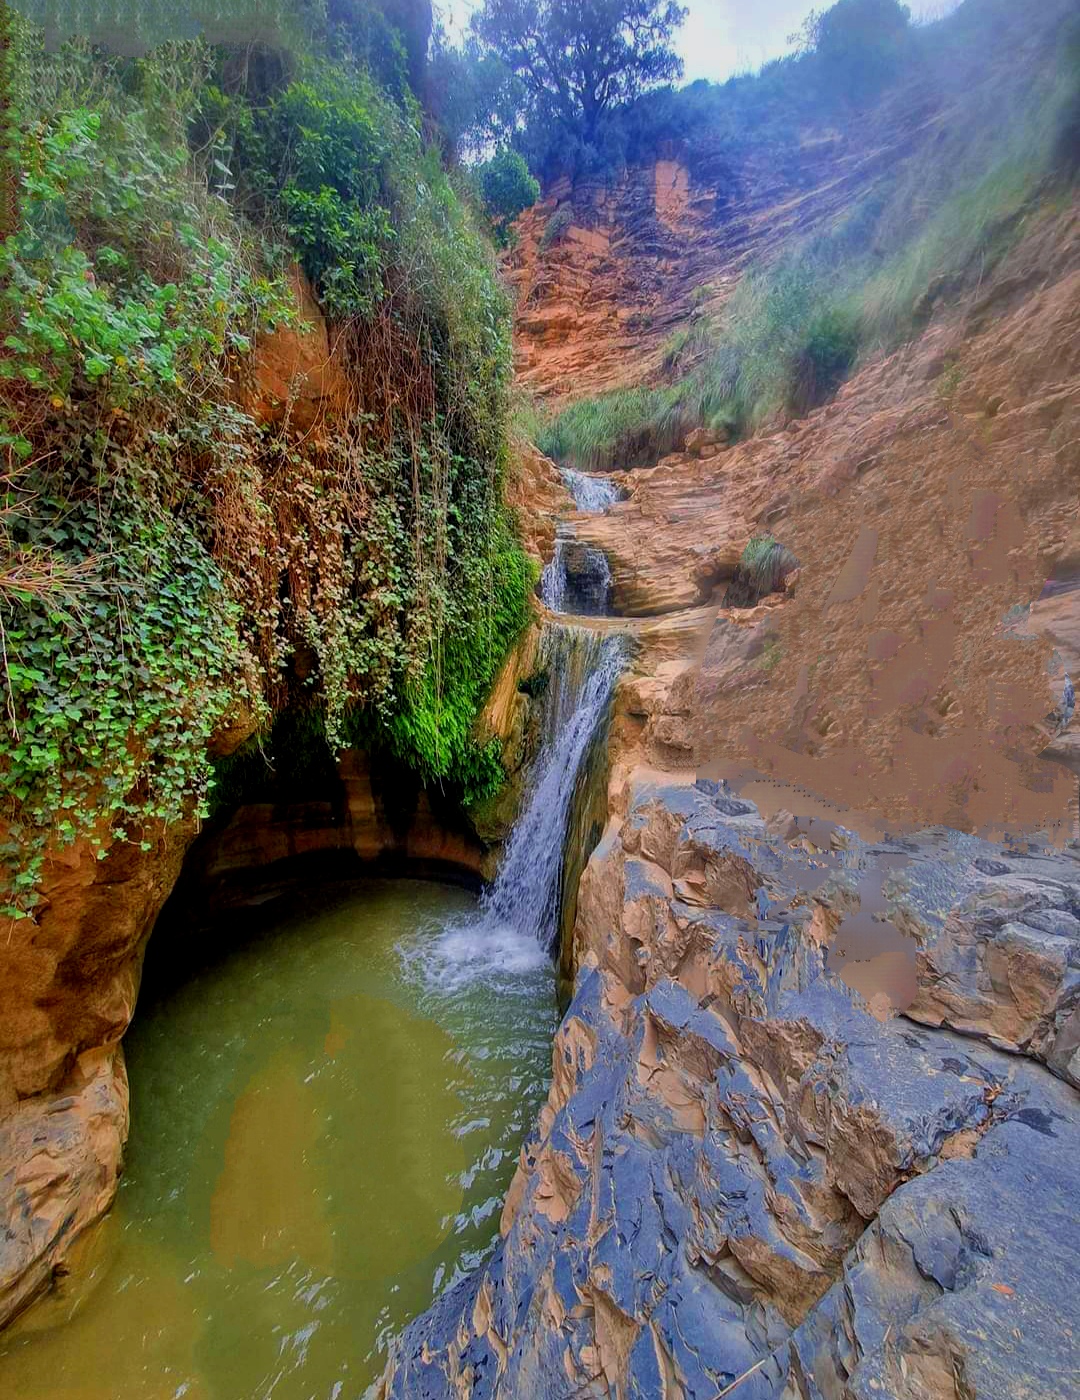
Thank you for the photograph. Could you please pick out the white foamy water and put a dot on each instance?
(482, 950)
(592, 494)
(578, 579)
(510, 939)
(553, 580)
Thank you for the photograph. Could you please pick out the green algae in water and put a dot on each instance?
(324, 1125)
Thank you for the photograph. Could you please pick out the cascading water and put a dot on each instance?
(592, 494)
(578, 579)
(519, 914)
(584, 668)
(553, 579)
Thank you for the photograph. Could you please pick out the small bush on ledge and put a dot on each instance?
(761, 571)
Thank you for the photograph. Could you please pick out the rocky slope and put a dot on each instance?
(813, 1115)
(751, 1173)
(604, 269)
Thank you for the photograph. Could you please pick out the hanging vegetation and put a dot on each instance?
(169, 566)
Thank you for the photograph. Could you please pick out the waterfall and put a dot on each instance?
(553, 579)
(583, 668)
(592, 494)
(578, 579)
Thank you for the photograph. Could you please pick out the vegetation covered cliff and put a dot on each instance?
(254, 387)
(218, 503)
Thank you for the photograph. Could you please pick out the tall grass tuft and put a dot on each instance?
(764, 565)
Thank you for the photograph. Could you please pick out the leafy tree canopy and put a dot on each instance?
(477, 100)
(507, 187)
(576, 59)
(858, 43)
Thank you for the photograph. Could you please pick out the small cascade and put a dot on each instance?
(592, 494)
(578, 579)
(553, 579)
(583, 668)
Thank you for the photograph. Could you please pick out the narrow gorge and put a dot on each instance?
(541, 798)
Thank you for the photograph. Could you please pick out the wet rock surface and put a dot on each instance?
(751, 1172)
(61, 1160)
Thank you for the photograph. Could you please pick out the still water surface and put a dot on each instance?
(325, 1121)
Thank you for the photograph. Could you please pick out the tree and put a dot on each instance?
(578, 58)
(476, 100)
(390, 36)
(859, 45)
(507, 187)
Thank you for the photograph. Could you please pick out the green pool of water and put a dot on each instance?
(325, 1120)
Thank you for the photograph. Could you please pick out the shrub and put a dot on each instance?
(147, 308)
(507, 189)
(764, 565)
(322, 154)
(556, 227)
(859, 45)
(822, 361)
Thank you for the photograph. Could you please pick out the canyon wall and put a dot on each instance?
(814, 1108)
(69, 977)
(606, 268)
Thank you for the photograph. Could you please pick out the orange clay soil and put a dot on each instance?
(895, 679)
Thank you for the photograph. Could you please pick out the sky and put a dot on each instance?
(722, 37)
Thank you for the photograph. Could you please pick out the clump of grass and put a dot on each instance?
(764, 565)
(1066, 157)
(627, 428)
(676, 347)
(821, 363)
(528, 418)
(971, 232)
(556, 227)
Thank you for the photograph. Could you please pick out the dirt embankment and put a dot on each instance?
(910, 671)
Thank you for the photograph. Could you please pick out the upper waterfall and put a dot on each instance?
(578, 579)
(592, 494)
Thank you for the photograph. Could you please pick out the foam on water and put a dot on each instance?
(592, 494)
(481, 948)
(513, 933)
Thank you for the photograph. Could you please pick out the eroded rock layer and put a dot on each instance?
(606, 269)
(751, 1173)
(908, 672)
